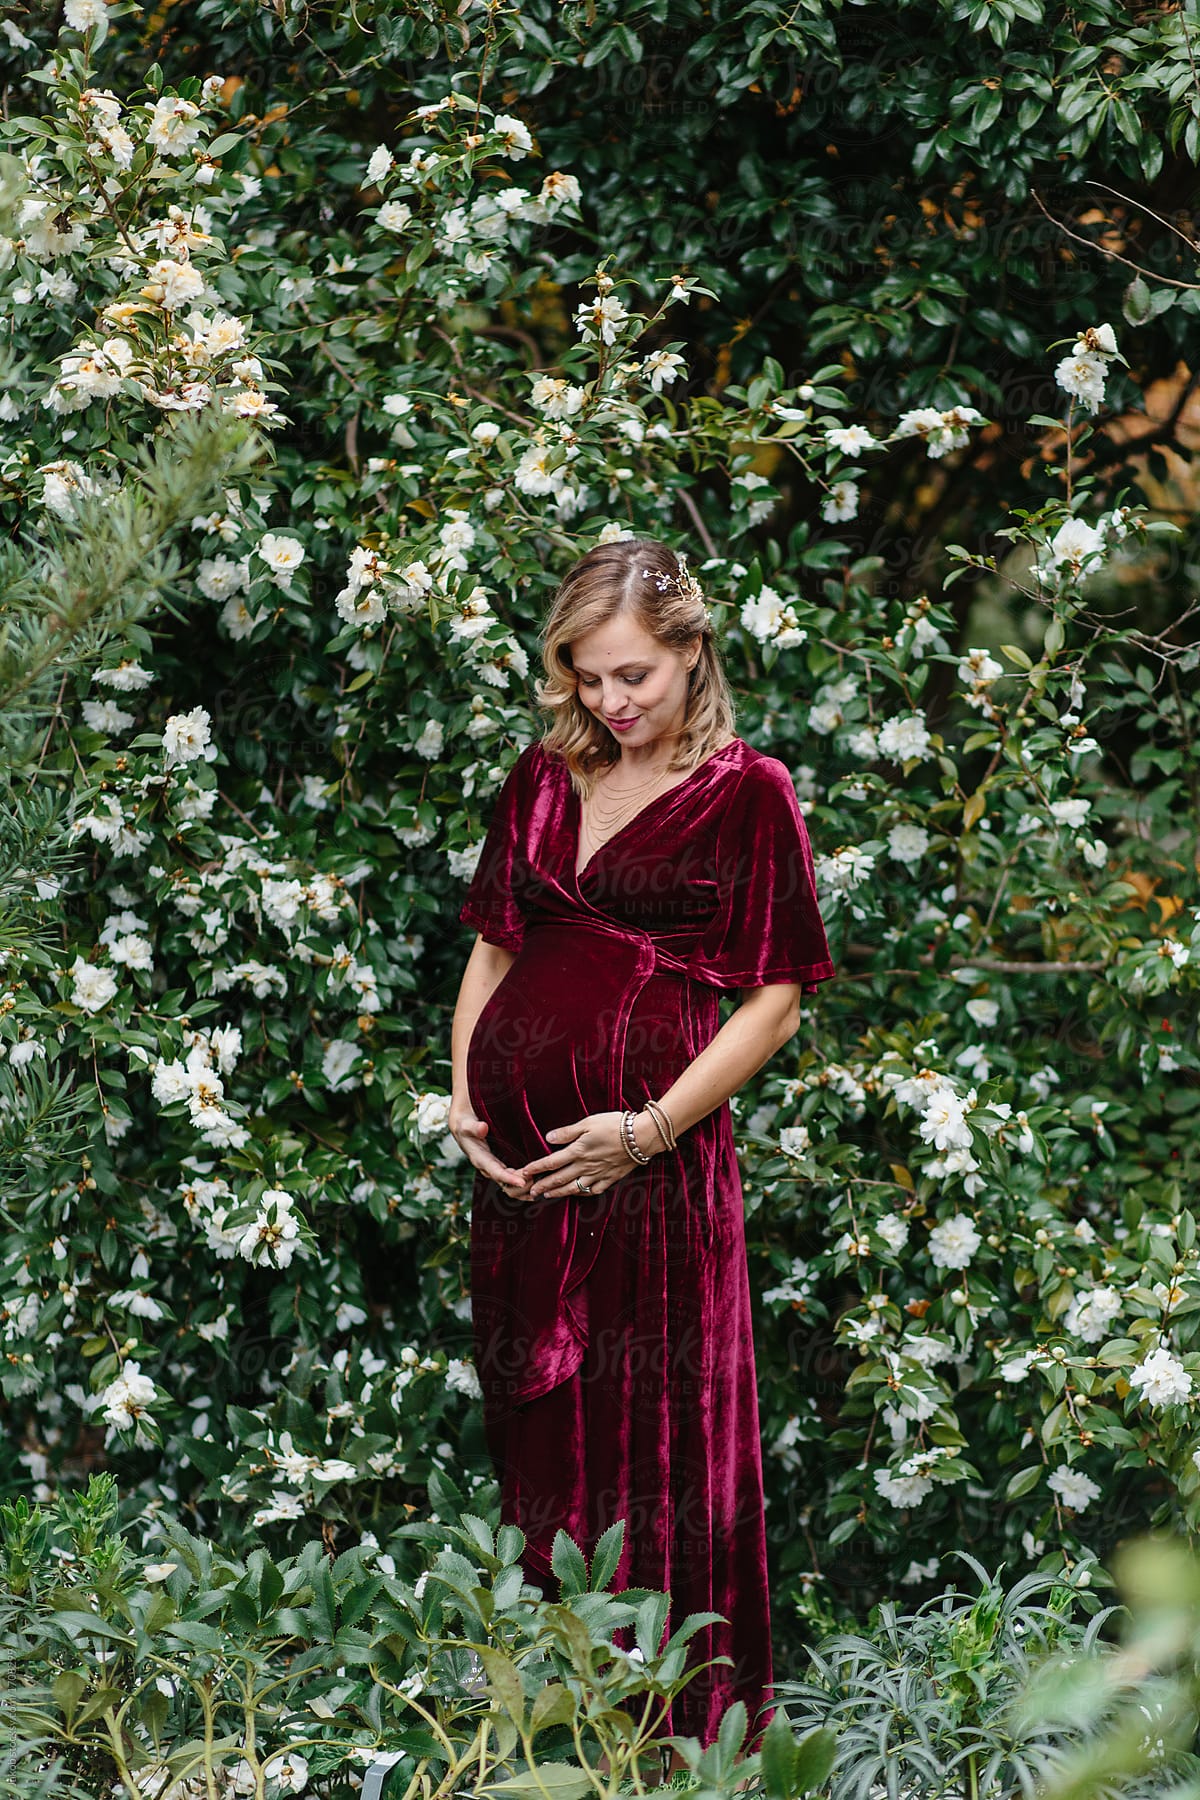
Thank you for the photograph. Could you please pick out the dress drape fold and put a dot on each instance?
(613, 1332)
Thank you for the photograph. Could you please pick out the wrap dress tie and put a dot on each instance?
(613, 1332)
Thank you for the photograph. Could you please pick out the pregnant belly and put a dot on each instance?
(580, 1023)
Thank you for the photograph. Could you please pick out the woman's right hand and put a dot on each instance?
(469, 1132)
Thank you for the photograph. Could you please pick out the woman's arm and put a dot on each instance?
(761, 1025)
(486, 968)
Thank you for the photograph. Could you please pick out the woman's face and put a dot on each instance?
(636, 686)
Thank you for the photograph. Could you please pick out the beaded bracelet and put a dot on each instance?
(631, 1144)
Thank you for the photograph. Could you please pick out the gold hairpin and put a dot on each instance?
(683, 581)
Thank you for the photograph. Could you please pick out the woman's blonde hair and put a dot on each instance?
(647, 580)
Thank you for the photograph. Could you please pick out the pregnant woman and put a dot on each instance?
(641, 860)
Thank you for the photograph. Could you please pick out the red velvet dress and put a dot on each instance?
(613, 1332)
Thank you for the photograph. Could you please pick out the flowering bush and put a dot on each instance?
(967, 1177)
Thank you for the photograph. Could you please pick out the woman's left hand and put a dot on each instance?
(592, 1148)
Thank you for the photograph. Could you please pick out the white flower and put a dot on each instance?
(1074, 1488)
(1072, 812)
(662, 366)
(902, 1490)
(105, 716)
(978, 667)
(394, 215)
(485, 433)
(1083, 376)
(517, 142)
(771, 619)
(289, 1769)
(849, 439)
(282, 555)
(339, 1058)
(907, 843)
(126, 1398)
(841, 502)
(602, 319)
(904, 738)
(894, 1232)
(380, 162)
(186, 736)
(984, 1012)
(81, 15)
(1162, 1378)
(1091, 1314)
(954, 1242)
(556, 397)
(794, 1140)
(431, 1114)
(173, 127)
(462, 1379)
(93, 987)
(218, 577)
(1100, 339)
(559, 190)
(173, 283)
(1077, 544)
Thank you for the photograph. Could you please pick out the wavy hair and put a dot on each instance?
(612, 579)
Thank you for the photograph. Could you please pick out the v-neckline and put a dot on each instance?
(580, 874)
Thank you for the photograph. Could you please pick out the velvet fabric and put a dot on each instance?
(613, 1332)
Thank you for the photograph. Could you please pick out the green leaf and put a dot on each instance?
(567, 1561)
(607, 1556)
(814, 1759)
(553, 1705)
(1023, 1482)
(504, 1679)
(778, 1758)
(562, 1781)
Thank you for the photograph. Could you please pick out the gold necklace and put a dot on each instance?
(616, 818)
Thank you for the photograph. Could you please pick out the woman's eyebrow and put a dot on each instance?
(639, 664)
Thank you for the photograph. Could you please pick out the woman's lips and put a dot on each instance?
(621, 724)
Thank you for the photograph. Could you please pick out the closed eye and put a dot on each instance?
(590, 680)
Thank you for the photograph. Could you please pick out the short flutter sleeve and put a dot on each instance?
(767, 926)
(492, 903)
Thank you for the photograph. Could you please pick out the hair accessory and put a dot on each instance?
(683, 581)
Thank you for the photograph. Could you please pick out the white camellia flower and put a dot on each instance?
(186, 736)
(984, 1012)
(894, 1232)
(126, 1398)
(394, 215)
(1074, 1488)
(282, 555)
(1162, 1379)
(1082, 375)
(904, 739)
(907, 843)
(902, 1490)
(461, 1378)
(1078, 545)
(954, 1242)
(1099, 339)
(105, 716)
(380, 162)
(557, 398)
(849, 439)
(795, 1140)
(601, 319)
(841, 502)
(431, 1114)
(662, 366)
(517, 140)
(93, 986)
(1091, 1314)
(173, 283)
